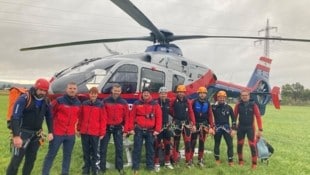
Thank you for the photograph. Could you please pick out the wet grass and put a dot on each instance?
(286, 129)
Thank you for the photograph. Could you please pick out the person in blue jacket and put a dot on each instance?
(26, 126)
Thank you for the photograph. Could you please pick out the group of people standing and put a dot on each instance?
(158, 122)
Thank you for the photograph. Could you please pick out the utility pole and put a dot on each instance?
(267, 30)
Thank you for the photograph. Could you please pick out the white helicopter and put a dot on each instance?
(162, 64)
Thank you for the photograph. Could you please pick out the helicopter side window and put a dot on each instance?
(152, 79)
(127, 76)
(177, 80)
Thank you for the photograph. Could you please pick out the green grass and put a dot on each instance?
(286, 129)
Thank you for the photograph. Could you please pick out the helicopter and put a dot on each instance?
(162, 64)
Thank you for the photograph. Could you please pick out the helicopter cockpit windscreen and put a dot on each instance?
(87, 74)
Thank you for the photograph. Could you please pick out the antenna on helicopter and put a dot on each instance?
(112, 52)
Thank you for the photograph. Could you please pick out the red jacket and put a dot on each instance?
(65, 115)
(92, 119)
(146, 114)
(117, 112)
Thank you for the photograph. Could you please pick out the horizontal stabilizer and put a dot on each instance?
(275, 96)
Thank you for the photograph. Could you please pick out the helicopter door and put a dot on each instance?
(152, 79)
(127, 76)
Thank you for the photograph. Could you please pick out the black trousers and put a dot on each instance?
(30, 154)
(217, 143)
(90, 153)
(117, 134)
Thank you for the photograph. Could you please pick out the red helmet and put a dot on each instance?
(42, 84)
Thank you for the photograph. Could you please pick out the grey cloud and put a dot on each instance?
(30, 23)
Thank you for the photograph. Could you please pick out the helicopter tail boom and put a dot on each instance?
(258, 85)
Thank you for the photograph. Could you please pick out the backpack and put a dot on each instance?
(14, 94)
(264, 149)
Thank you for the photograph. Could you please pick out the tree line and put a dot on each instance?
(291, 94)
(5, 86)
(295, 94)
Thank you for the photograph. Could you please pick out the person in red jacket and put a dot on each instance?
(66, 110)
(117, 112)
(91, 127)
(245, 111)
(184, 119)
(146, 119)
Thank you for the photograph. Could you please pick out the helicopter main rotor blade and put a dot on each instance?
(185, 37)
(146, 38)
(139, 17)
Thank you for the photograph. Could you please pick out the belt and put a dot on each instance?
(30, 131)
(144, 129)
(115, 126)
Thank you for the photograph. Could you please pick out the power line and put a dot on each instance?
(267, 30)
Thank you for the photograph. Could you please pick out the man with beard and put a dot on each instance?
(204, 123)
(117, 113)
(27, 126)
(184, 119)
(146, 120)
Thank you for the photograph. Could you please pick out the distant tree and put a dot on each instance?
(287, 90)
(306, 95)
(295, 94)
(298, 91)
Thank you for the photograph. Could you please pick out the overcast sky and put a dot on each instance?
(26, 23)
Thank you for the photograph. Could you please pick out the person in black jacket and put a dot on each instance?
(221, 112)
(164, 137)
(27, 127)
(247, 112)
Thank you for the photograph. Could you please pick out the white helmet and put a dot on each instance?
(162, 89)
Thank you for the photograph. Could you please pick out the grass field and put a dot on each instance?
(286, 129)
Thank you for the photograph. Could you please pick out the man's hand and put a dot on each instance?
(211, 131)
(194, 128)
(132, 132)
(155, 133)
(259, 133)
(50, 137)
(78, 134)
(233, 133)
(17, 142)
